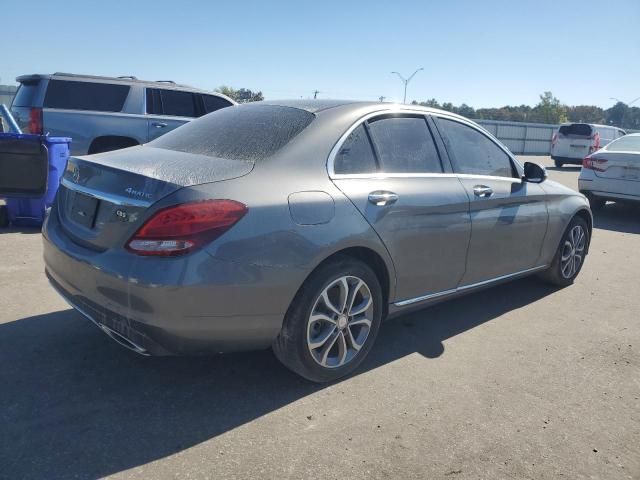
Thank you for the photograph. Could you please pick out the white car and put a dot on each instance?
(574, 141)
(613, 172)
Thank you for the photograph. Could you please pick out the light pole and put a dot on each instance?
(406, 82)
(627, 104)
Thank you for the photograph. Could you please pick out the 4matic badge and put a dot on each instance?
(137, 193)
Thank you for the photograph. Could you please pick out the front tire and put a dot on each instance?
(570, 255)
(332, 322)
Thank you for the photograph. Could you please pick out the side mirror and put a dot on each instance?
(534, 173)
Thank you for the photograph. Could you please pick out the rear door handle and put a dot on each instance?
(382, 198)
(159, 124)
(482, 191)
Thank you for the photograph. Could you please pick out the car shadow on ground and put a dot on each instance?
(566, 168)
(618, 217)
(18, 229)
(76, 405)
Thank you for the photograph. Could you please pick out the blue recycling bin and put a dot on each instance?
(22, 162)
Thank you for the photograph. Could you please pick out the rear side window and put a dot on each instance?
(247, 132)
(213, 103)
(71, 95)
(26, 94)
(178, 104)
(405, 145)
(474, 153)
(628, 143)
(576, 129)
(355, 155)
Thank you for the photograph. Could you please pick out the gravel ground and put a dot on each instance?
(519, 381)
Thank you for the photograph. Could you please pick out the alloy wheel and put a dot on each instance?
(340, 322)
(573, 252)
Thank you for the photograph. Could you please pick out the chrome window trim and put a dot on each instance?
(115, 199)
(410, 301)
(406, 110)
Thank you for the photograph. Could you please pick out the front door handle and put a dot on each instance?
(482, 191)
(382, 198)
(159, 124)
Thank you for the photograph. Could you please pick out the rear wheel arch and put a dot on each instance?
(375, 261)
(107, 143)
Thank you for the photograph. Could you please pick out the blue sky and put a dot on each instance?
(485, 53)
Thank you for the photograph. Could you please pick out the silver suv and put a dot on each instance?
(106, 113)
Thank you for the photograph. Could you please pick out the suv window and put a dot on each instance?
(72, 95)
(355, 155)
(405, 145)
(472, 152)
(213, 103)
(247, 132)
(26, 94)
(178, 104)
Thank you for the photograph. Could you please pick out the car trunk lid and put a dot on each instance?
(617, 165)
(103, 198)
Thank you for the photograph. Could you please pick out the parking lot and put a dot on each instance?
(518, 381)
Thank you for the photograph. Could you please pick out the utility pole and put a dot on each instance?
(315, 94)
(406, 82)
(381, 98)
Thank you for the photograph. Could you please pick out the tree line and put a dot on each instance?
(548, 110)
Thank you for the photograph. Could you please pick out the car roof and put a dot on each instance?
(319, 106)
(126, 79)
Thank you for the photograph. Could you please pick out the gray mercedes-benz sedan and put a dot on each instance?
(301, 225)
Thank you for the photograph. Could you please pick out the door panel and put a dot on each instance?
(426, 230)
(159, 125)
(508, 227)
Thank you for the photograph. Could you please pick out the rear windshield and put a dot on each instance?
(576, 129)
(247, 132)
(70, 95)
(26, 94)
(629, 143)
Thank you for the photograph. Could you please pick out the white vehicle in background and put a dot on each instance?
(574, 141)
(612, 173)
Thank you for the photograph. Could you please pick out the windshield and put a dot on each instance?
(246, 132)
(628, 143)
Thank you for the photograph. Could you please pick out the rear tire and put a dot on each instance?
(570, 256)
(4, 216)
(332, 322)
(558, 163)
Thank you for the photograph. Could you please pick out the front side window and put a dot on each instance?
(474, 153)
(72, 95)
(355, 155)
(405, 145)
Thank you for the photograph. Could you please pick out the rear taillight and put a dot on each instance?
(595, 145)
(554, 139)
(35, 121)
(183, 228)
(597, 164)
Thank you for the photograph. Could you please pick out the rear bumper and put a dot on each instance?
(160, 306)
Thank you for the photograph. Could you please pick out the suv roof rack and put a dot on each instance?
(166, 81)
(131, 77)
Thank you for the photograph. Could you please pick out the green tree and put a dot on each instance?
(586, 114)
(549, 110)
(242, 95)
(617, 114)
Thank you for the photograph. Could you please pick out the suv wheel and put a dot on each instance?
(332, 322)
(570, 256)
